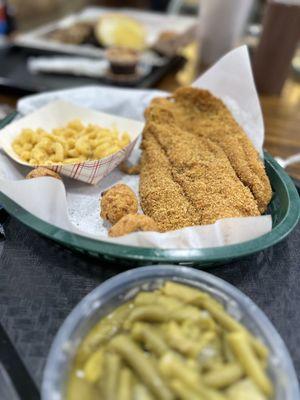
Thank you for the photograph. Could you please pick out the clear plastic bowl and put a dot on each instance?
(124, 286)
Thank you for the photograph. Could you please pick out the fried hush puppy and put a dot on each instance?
(197, 164)
(117, 202)
(130, 169)
(42, 171)
(133, 223)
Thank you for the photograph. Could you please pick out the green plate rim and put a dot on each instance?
(211, 255)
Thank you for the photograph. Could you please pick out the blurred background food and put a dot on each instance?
(164, 57)
(120, 30)
(47, 10)
(222, 26)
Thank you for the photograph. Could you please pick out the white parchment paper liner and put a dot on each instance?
(75, 206)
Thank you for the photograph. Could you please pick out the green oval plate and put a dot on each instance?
(284, 208)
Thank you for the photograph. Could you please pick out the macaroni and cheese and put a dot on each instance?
(73, 143)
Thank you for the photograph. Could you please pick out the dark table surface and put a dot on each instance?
(40, 283)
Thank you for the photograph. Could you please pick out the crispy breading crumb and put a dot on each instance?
(118, 201)
(133, 223)
(130, 169)
(42, 171)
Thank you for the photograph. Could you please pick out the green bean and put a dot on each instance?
(79, 389)
(152, 313)
(186, 312)
(93, 368)
(227, 352)
(209, 356)
(208, 393)
(140, 363)
(141, 393)
(259, 348)
(103, 331)
(168, 302)
(244, 389)
(182, 292)
(231, 325)
(188, 294)
(184, 392)
(111, 377)
(178, 341)
(208, 338)
(146, 298)
(203, 321)
(224, 376)
(150, 337)
(223, 318)
(243, 350)
(150, 298)
(184, 345)
(191, 330)
(173, 368)
(125, 388)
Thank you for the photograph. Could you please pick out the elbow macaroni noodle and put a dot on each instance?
(73, 143)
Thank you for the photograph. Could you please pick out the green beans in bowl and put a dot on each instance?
(168, 333)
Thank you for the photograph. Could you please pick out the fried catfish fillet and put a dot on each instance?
(162, 198)
(197, 164)
(199, 112)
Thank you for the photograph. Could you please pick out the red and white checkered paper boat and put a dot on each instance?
(60, 113)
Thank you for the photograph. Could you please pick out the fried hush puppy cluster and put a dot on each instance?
(119, 206)
(118, 201)
(128, 169)
(41, 172)
(197, 164)
(133, 223)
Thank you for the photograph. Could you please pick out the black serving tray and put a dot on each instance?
(15, 78)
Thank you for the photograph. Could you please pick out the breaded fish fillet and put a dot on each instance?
(187, 176)
(161, 197)
(199, 112)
